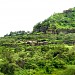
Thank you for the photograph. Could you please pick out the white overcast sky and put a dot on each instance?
(18, 15)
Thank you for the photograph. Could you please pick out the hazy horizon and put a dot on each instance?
(24, 14)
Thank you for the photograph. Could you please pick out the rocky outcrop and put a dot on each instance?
(36, 43)
(57, 31)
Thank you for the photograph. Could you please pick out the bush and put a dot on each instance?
(69, 72)
(58, 63)
(49, 68)
(8, 69)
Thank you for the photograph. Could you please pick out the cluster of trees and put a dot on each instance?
(41, 26)
(17, 33)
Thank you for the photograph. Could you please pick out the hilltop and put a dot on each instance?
(65, 20)
(48, 50)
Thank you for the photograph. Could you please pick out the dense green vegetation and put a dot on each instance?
(48, 50)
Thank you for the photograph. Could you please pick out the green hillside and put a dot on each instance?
(48, 50)
(65, 20)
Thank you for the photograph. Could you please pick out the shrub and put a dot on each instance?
(58, 63)
(8, 69)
